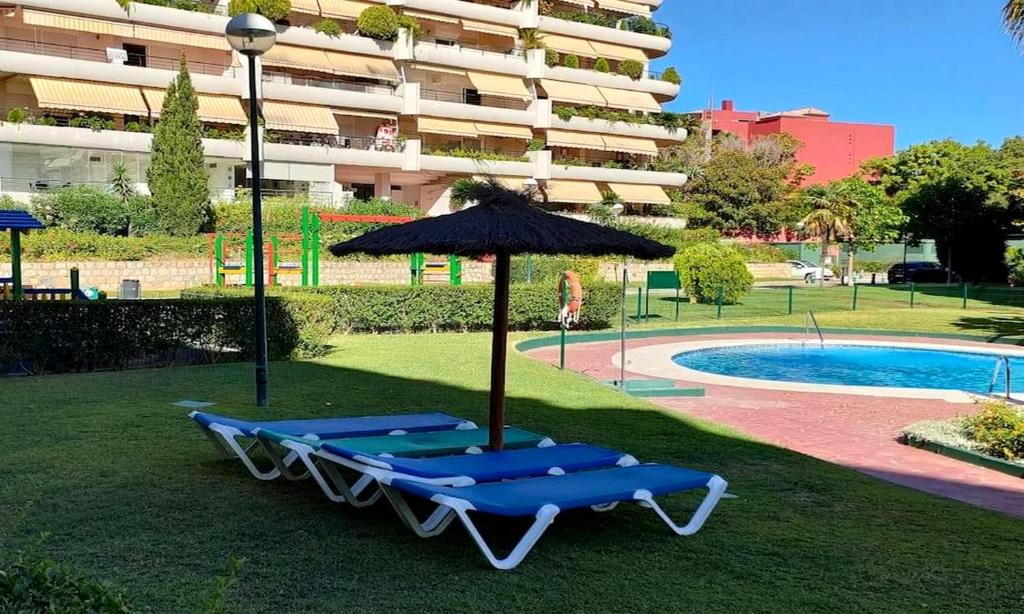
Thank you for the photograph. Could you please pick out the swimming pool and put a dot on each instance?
(854, 365)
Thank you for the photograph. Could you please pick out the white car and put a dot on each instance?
(808, 272)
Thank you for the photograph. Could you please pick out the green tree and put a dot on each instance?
(274, 10)
(121, 182)
(177, 174)
(671, 75)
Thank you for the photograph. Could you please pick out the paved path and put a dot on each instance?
(854, 431)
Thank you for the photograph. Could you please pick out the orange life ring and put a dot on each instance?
(570, 297)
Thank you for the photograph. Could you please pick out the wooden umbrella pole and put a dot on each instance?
(499, 346)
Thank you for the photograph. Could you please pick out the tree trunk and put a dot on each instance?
(849, 264)
(821, 262)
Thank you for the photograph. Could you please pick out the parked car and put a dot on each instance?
(920, 273)
(806, 271)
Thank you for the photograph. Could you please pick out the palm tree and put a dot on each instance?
(1013, 20)
(832, 217)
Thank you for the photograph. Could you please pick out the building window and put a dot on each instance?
(473, 97)
(363, 191)
(136, 55)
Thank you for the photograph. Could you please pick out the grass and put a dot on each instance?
(132, 493)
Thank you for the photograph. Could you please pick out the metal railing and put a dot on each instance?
(100, 55)
(272, 76)
(480, 100)
(809, 321)
(1002, 361)
(337, 141)
(473, 48)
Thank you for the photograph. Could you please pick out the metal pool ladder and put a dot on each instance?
(1004, 362)
(809, 321)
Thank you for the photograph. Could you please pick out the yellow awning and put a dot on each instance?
(440, 70)
(88, 96)
(430, 16)
(489, 28)
(618, 52)
(568, 44)
(585, 3)
(499, 85)
(577, 140)
(448, 127)
(578, 192)
(306, 6)
(362, 66)
(298, 117)
(627, 99)
(81, 24)
(343, 8)
(212, 107)
(625, 7)
(361, 113)
(176, 37)
(572, 92)
(512, 183)
(298, 57)
(630, 144)
(505, 131)
(639, 194)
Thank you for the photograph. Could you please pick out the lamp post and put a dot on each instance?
(617, 210)
(252, 35)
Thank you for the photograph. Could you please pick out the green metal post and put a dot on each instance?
(416, 268)
(249, 257)
(855, 297)
(721, 299)
(305, 246)
(455, 270)
(76, 284)
(276, 244)
(964, 291)
(19, 291)
(639, 302)
(791, 300)
(647, 305)
(315, 222)
(218, 259)
(677, 303)
(561, 350)
(912, 288)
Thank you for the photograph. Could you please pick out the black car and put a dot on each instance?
(920, 273)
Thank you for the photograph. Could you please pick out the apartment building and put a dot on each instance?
(81, 82)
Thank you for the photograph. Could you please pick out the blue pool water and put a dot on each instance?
(855, 365)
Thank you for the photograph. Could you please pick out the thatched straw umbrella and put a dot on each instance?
(504, 223)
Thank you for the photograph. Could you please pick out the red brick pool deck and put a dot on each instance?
(858, 432)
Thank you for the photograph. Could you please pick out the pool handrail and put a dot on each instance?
(811, 319)
(1005, 362)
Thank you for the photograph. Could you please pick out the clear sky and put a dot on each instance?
(932, 68)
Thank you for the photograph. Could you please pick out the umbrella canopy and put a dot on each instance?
(504, 222)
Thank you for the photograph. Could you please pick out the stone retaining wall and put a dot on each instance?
(768, 270)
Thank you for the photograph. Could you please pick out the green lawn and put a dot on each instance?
(131, 492)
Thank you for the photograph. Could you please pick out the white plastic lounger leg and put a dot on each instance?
(545, 516)
(284, 463)
(336, 487)
(435, 524)
(716, 488)
(229, 437)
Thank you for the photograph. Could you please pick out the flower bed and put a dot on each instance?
(992, 438)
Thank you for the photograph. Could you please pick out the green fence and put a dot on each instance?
(661, 306)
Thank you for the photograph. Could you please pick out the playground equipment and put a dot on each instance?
(11, 288)
(435, 271)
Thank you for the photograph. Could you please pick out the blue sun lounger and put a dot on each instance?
(283, 450)
(225, 433)
(544, 497)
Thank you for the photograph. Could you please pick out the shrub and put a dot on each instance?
(571, 61)
(761, 252)
(82, 208)
(1015, 265)
(645, 25)
(328, 27)
(45, 586)
(551, 57)
(868, 266)
(17, 115)
(536, 144)
(137, 127)
(707, 270)
(548, 269)
(62, 245)
(379, 22)
(274, 10)
(411, 24)
(601, 65)
(998, 429)
(671, 75)
(93, 122)
(631, 68)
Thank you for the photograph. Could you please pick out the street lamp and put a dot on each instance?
(252, 35)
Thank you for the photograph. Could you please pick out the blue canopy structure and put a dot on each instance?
(17, 222)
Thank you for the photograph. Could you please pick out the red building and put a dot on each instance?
(835, 149)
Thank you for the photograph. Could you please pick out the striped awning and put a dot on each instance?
(622, 6)
(311, 7)
(212, 107)
(640, 194)
(362, 66)
(629, 99)
(576, 192)
(349, 9)
(73, 95)
(430, 16)
(577, 93)
(618, 52)
(80, 24)
(575, 140)
(499, 85)
(505, 131)
(630, 144)
(298, 117)
(176, 37)
(290, 56)
(447, 127)
(489, 28)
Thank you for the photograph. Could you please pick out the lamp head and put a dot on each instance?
(618, 208)
(250, 34)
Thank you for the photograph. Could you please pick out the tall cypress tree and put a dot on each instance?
(178, 177)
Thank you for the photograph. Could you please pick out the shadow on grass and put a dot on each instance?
(136, 495)
(997, 328)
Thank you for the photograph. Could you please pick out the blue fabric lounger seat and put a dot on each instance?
(284, 449)
(225, 432)
(544, 497)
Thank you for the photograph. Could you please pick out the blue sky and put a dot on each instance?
(933, 68)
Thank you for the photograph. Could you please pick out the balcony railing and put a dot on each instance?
(474, 99)
(483, 50)
(333, 84)
(100, 55)
(335, 141)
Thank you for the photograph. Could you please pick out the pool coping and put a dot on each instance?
(656, 361)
